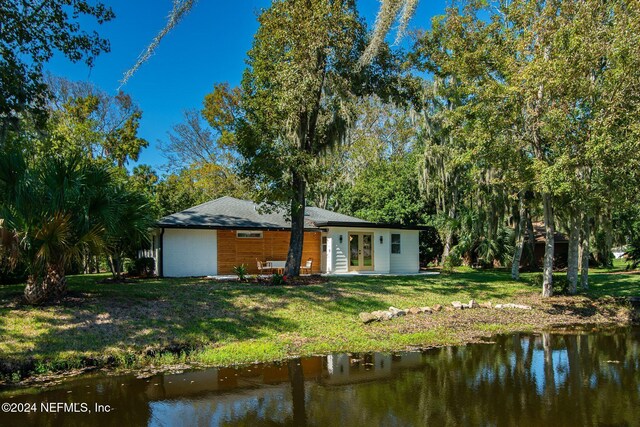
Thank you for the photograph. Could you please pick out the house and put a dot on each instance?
(211, 238)
(560, 245)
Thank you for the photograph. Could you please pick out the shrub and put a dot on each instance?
(129, 266)
(453, 260)
(560, 283)
(241, 272)
(140, 267)
(278, 280)
(10, 276)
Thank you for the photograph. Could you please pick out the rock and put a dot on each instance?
(485, 304)
(382, 314)
(448, 309)
(426, 309)
(414, 310)
(437, 307)
(457, 305)
(473, 304)
(378, 313)
(520, 306)
(367, 317)
(397, 312)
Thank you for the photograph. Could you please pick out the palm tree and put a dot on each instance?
(50, 213)
(131, 229)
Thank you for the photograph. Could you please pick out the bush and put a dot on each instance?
(560, 283)
(453, 260)
(140, 267)
(430, 246)
(129, 266)
(278, 280)
(11, 276)
(241, 272)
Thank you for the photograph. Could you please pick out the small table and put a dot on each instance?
(277, 265)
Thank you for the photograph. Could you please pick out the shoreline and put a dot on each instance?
(408, 333)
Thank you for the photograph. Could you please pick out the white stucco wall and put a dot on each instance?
(408, 260)
(189, 253)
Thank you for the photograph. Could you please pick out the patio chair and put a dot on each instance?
(262, 267)
(307, 266)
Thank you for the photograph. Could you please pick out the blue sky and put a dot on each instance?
(207, 47)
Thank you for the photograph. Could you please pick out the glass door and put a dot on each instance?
(367, 252)
(354, 251)
(360, 251)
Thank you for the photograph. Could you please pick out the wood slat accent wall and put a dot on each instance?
(274, 245)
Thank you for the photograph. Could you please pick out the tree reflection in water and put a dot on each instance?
(521, 379)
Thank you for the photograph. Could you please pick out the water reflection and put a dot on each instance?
(576, 379)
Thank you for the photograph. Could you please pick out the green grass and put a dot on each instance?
(168, 321)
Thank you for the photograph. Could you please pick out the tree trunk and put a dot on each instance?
(573, 256)
(115, 264)
(448, 242)
(51, 287)
(585, 252)
(35, 292)
(608, 240)
(86, 262)
(520, 234)
(531, 244)
(294, 257)
(447, 247)
(549, 226)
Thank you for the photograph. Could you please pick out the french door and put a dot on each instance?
(360, 251)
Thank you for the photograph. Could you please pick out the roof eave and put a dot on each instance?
(231, 227)
(370, 225)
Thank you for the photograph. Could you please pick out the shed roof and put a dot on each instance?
(539, 233)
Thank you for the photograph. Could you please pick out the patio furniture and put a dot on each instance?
(307, 266)
(277, 265)
(262, 268)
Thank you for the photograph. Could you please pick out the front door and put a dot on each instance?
(323, 253)
(360, 251)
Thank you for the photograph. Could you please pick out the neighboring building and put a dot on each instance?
(560, 245)
(211, 238)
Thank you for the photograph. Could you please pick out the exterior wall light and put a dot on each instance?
(381, 240)
(341, 238)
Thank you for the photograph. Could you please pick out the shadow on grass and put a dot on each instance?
(618, 285)
(476, 284)
(161, 314)
(96, 319)
(154, 314)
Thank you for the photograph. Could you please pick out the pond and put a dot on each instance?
(569, 379)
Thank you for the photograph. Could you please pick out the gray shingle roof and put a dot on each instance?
(229, 212)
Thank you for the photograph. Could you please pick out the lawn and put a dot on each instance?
(168, 321)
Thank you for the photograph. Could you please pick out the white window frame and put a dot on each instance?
(398, 243)
(249, 234)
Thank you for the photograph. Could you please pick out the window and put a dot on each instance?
(249, 234)
(395, 243)
(324, 244)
